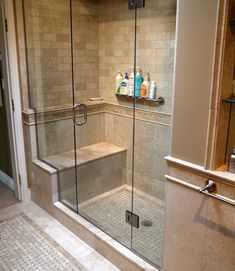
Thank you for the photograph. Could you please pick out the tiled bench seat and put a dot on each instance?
(84, 155)
(100, 168)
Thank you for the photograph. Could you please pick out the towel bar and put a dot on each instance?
(200, 190)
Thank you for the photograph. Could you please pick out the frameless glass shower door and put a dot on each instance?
(103, 44)
(122, 136)
(155, 41)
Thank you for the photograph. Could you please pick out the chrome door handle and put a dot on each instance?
(80, 107)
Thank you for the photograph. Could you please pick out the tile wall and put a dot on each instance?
(155, 45)
(113, 124)
(48, 36)
(103, 34)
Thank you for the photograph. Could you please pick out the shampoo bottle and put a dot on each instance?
(138, 83)
(152, 90)
(118, 81)
(144, 92)
(124, 85)
(130, 87)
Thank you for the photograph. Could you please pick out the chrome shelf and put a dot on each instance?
(160, 100)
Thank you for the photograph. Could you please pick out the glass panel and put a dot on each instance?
(155, 58)
(103, 44)
(48, 44)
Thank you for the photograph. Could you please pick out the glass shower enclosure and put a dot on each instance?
(107, 143)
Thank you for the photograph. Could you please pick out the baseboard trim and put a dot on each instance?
(8, 181)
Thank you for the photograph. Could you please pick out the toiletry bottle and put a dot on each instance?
(138, 83)
(124, 85)
(118, 81)
(145, 86)
(130, 87)
(231, 166)
(152, 90)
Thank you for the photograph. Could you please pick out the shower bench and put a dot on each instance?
(100, 168)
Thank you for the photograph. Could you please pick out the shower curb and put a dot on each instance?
(109, 248)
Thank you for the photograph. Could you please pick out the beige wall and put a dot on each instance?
(48, 36)
(152, 143)
(85, 37)
(103, 44)
(196, 32)
(49, 52)
(199, 230)
(155, 45)
(57, 136)
(113, 124)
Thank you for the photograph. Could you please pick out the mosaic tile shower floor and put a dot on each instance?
(108, 213)
(23, 247)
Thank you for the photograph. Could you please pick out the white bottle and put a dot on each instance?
(131, 84)
(118, 81)
(152, 90)
(124, 85)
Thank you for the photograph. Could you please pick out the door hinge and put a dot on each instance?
(132, 219)
(132, 4)
(12, 105)
(6, 25)
(19, 179)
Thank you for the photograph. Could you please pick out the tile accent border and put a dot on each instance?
(33, 117)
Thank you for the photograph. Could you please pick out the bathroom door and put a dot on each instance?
(103, 44)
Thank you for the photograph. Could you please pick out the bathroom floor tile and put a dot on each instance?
(107, 212)
(7, 196)
(33, 240)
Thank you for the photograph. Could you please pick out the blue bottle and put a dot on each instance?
(138, 83)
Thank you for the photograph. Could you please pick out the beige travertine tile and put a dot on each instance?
(219, 245)
(99, 52)
(186, 217)
(77, 248)
(154, 45)
(7, 196)
(208, 222)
